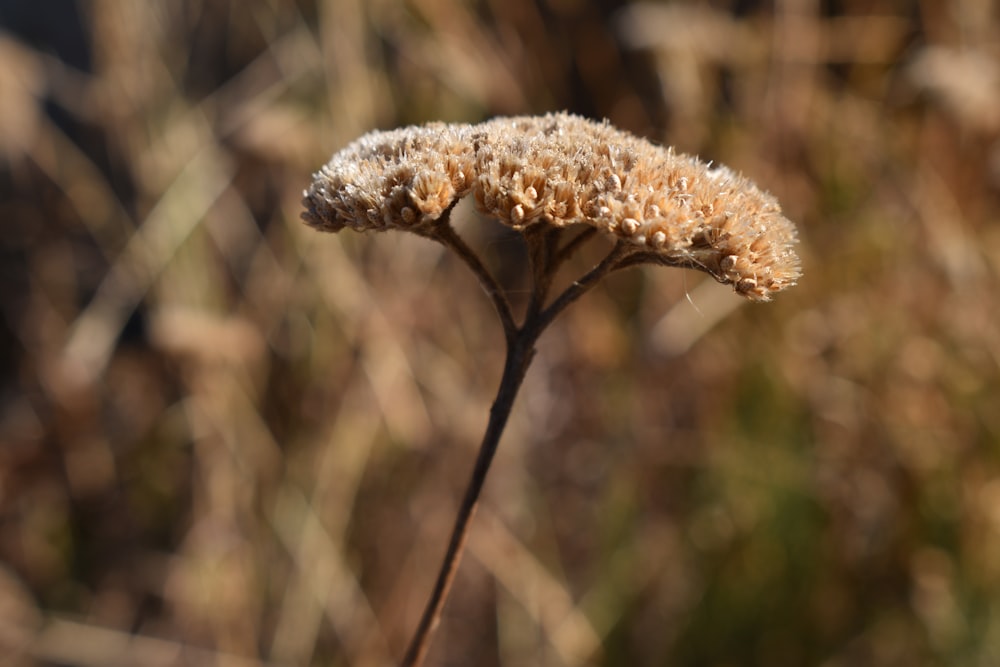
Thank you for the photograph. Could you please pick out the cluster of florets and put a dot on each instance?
(560, 170)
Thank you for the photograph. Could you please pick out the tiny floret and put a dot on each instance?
(560, 170)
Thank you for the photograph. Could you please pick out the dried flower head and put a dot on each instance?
(540, 175)
(558, 170)
(402, 178)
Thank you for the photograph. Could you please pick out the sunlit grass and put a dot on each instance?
(227, 440)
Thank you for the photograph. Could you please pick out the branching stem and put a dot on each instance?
(443, 232)
(573, 244)
(615, 259)
(546, 259)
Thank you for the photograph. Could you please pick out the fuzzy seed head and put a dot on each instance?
(558, 170)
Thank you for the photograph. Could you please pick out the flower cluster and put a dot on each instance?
(558, 170)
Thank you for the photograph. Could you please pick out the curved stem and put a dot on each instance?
(444, 233)
(542, 244)
(519, 356)
(520, 351)
(614, 260)
(567, 251)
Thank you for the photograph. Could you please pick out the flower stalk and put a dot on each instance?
(546, 259)
(541, 175)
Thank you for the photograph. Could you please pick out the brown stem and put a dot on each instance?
(444, 233)
(520, 351)
(519, 357)
(542, 243)
(614, 260)
(567, 251)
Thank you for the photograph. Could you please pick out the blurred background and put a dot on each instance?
(228, 440)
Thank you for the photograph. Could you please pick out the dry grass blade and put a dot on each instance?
(149, 250)
(692, 479)
(545, 598)
(71, 643)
